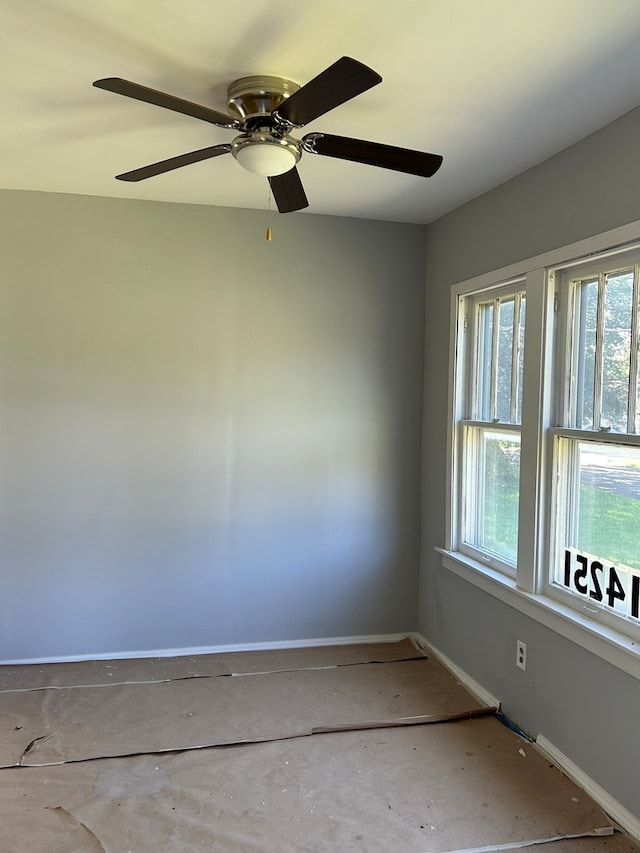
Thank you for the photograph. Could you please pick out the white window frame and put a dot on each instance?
(563, 510)
(470, 426)
(527, 591)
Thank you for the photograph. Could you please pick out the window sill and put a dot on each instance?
(608, 644)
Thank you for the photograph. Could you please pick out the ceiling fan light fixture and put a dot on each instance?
(266, 160)
(264, 154)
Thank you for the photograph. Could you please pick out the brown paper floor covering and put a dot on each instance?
(93, 722)
(448, 786)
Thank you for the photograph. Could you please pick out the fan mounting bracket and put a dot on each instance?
(259, 95)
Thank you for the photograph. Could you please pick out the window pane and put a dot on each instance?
(608, 518)
(616, 350)
(499, 369)
(585, 353)
(520, 366)
(485, 337)
(498, 524)
(598, 554)
(504, 358)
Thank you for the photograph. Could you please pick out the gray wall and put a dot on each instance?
(205, 438)
(587, 708)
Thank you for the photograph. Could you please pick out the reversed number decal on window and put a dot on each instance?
(615, 588)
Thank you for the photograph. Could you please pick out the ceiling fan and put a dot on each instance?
(265, 111)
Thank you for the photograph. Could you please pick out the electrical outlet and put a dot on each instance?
(521, 654)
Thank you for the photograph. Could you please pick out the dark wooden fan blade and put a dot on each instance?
(338, 83)
(161, 99)
(373, 154)
(288, 191)
(174, 163)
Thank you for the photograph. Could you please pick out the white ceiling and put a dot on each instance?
(495, 86)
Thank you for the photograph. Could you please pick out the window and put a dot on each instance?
(491, 429)
(595, 554)
(544, 498)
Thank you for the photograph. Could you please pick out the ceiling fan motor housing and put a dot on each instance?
(264, 147)
(258, 95)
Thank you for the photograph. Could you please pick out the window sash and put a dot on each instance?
(484, 495)
(482, 391)
(567, 498)
(573, 288)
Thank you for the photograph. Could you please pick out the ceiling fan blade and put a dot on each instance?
(174, 163)
(161, 99)
(288, 191)
(338, 83)
(373, 154)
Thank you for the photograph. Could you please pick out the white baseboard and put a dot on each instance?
(476, 689)
(628, 822)
(211, 650)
